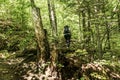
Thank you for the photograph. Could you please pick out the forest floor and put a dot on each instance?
(7, 69)
(23, 68)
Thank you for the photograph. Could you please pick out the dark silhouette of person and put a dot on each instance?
(67, 35)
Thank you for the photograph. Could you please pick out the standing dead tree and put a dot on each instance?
(43, 46)
(40, 32)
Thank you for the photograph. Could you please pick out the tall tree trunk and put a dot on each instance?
(88, 25)
(80, 30)
(40, 33)
(108, 35)
(53, 22)
(107, 26)
(97, 25)
(84, 28)
(99, 44)
(118, 14)
(52, 15)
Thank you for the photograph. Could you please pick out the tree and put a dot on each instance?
(52, 17)
(53, 22)
(118, 14)
(43, 46)
(41, 37)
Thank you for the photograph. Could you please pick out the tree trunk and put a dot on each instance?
(88, 26)
(40, 33)
(80, 29)
(53, 23)
(52, 17)
(118, 14)
(84, 28)
(108, 36)
(54, 52)
(107, 27)
(98, 35)
(99, 44)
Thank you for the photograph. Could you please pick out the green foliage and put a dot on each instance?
(107, 55)
(80, 52)
(18, 33)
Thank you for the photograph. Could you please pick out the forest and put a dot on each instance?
(59, 39)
